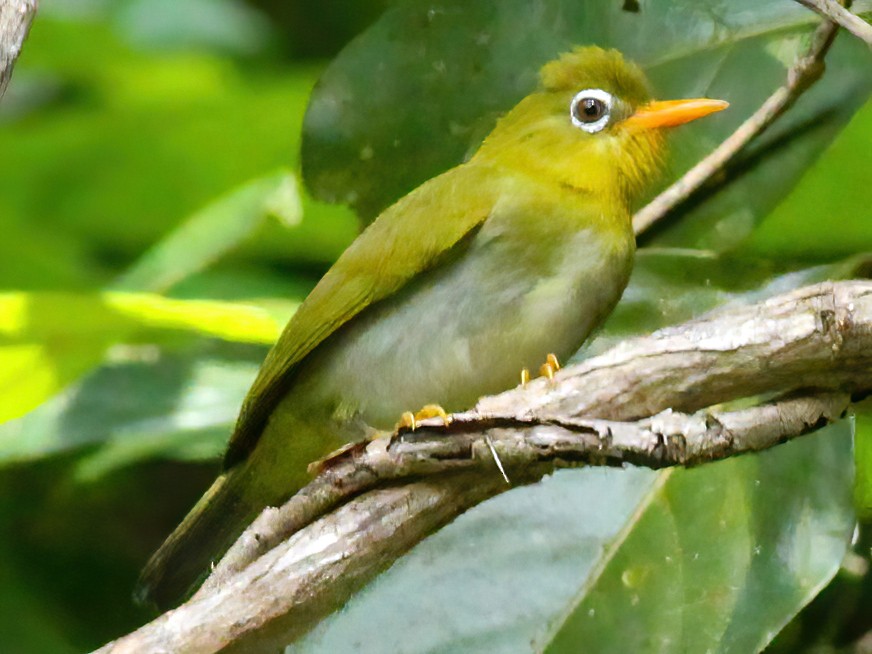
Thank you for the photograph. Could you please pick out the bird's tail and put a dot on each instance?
(185, 558)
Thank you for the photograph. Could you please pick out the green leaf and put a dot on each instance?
(450, 67)
(49, 339)
(671, 285)
(227, 25)
(828, 213)
(721, 557)
(763, 175)
(213, 231)
(70, 552)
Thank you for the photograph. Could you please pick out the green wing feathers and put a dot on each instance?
(409, 237)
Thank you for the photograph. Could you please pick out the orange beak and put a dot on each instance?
(666, 113)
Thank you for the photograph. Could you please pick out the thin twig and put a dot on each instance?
(835, 12)
(15, 19)
(819, 337)
(805, 71)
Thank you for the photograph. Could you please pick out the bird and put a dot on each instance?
(509, 259)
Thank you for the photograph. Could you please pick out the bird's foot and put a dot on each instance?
(409, 421)
(547, 369)
(550, 366)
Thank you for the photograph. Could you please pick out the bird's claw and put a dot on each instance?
(547, 369)
(409, 421)
(550, 366)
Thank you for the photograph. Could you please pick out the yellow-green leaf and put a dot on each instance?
(48, 339)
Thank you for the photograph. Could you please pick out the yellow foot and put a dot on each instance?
(550, 366)
(525, 376)
(547, 369)
(410, 420)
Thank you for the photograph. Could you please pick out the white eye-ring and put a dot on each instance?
(591, 109)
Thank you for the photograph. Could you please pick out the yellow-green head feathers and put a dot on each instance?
(592, 67)
(571, 131)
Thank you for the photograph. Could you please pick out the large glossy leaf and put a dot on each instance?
(721, 557)
(669, 286)
(440, 72)
(762, 176)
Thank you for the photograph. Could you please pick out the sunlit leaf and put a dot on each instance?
(49, 339)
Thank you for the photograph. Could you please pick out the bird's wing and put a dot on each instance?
(407, 238)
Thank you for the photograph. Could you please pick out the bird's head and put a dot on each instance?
(591, 125)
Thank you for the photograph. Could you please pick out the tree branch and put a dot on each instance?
(15, 19)
(832, 10)
(817, 338)
(805, 71)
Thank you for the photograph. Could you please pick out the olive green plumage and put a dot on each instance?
(446, 296)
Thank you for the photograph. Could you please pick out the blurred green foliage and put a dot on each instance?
(157, 234)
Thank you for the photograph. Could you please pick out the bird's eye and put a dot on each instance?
(590, 110)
